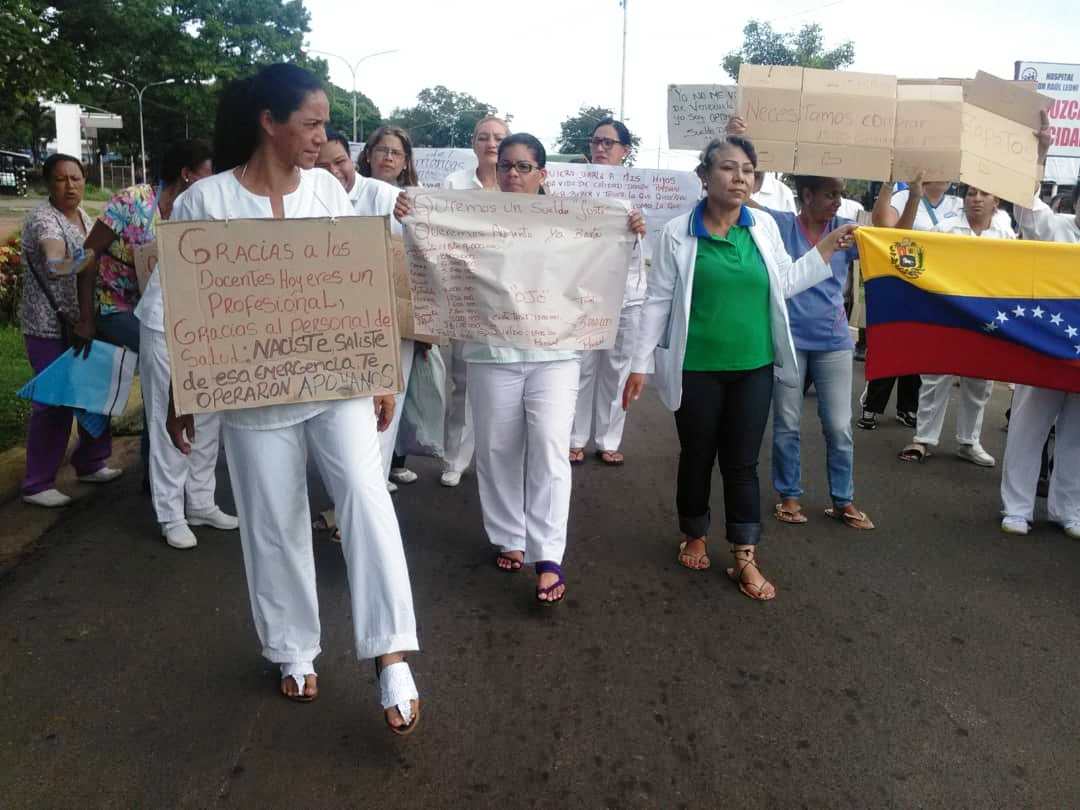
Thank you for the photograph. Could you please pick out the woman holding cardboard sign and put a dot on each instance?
(604, 371)
(716, 326)
(182, 487)
(522, 401)
(268, 135)
(459, 441)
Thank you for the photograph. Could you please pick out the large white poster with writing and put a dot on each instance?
(660, 194)
(697, 113)
(521, 270)
(435, 165)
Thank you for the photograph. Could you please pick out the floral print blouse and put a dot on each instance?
(36, 315)
(132, 215)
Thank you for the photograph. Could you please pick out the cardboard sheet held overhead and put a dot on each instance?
(770, 98)
(846, 124)
(928, 116)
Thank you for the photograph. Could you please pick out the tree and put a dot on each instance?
(442, 117)
(368, 117)
(762, 45)
(577, 130)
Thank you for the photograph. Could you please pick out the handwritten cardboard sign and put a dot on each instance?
(433, 166)
(978, 132)
(523, 270)
(145, 256)
(660, 194)
(263, 312)
(697, 113)
(823, 122)
(403, 297)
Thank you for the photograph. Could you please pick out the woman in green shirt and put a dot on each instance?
(715, 323)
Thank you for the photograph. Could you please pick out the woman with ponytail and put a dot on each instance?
(269, 132)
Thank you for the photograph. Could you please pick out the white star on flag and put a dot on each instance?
(1001, 316)
(1037, 312)
(1055, 319)
(1071, 331)
(1077, 347)
(990, 327)
(1019, 311)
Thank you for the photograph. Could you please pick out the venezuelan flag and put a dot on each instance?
(999, 309)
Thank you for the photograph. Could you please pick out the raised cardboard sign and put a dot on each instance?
(697, 113)
(770, 101)
(403, 296)
(267, 311)
(1016, 101)
(928, 116)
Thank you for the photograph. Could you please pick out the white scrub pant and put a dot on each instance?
(269, 482)
(523, 415)
(459, 441)
(1034, 411)
(603, 376)
(934, 400)
(388, 438)
(174, 477)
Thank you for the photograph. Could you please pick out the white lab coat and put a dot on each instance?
(666, 312)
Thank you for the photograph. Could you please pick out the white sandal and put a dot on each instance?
(397, 689)
(299, 671)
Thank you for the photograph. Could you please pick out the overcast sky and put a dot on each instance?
(542, 60)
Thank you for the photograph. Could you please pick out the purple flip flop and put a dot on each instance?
(548, 567)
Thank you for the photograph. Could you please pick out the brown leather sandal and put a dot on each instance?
(757, 593)
(859, 520)
(699, 563)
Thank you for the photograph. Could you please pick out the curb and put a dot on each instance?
(13, 461)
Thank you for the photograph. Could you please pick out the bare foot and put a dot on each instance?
(506, 560)
(577, 455)
(311, 686)
(693, 554)
(546, 580)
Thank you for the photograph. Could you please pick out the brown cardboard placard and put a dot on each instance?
(846, 124)
(403, 297)
(145, 257)
(770, 98)
(264, 312)
(999, 155)
(1017, 101)
(927, 135)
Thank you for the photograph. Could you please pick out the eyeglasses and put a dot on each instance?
(521, 166)
(386, 151)
(606, 143)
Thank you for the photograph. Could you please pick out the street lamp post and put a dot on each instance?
(139, 93)
(622, 89)
(353, 67)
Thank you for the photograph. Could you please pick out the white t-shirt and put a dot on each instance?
(949, 207)
(462, 180)
(374, 198)
(960, 227)
(222, 197)
(1040, 224)
(850, 209)
(775, 194)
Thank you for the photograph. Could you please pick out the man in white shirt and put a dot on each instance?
(976, 219)
(771, 192)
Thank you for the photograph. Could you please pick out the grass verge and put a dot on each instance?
(14, 372)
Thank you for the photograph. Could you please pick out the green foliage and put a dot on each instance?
(341, 112)
(577, 129)
(442, 117)
(762, 45)
(14, 372)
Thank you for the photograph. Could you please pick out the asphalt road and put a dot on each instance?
(929, 663)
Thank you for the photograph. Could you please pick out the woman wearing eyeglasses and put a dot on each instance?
(458, 437)
(603, 373)
(522, 402)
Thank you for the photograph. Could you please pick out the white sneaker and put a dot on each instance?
(403, 475)
(1072, 531)
(450, 478)
(391, 486)
(179, 536)
(1014, 525)
(49, 498)
(975, 454)
(214, 518)
(102, 476)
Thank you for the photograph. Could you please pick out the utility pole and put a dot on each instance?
(353, 67)
(622, 90)
(142, 134)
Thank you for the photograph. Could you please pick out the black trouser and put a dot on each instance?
(907, 394)
(722, 419)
